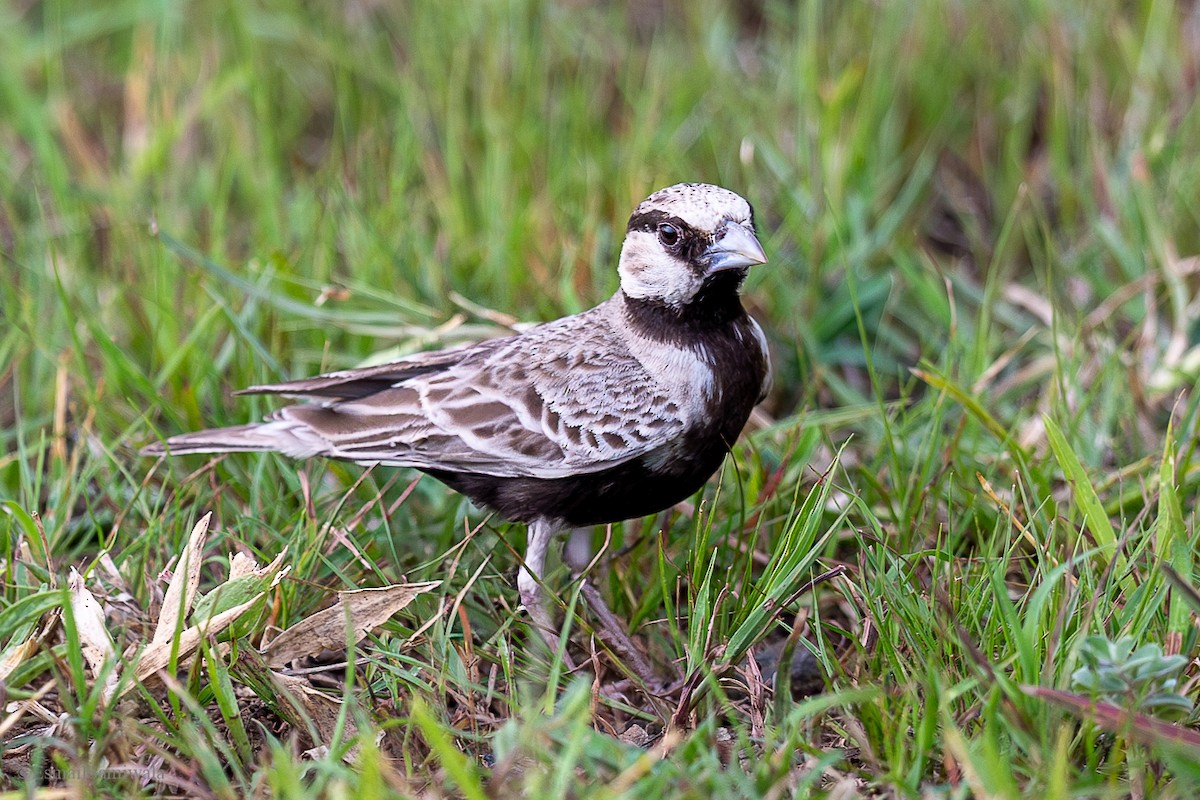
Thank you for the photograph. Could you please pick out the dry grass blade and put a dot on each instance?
(182, 589)
(362, 610)
(16, 710)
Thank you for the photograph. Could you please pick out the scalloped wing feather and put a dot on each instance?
(562, 399)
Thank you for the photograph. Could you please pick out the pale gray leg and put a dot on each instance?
(533, 597)
(578, 555)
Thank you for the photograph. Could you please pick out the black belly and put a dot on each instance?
(623, 492)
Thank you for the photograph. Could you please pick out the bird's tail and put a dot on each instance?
(237, 439)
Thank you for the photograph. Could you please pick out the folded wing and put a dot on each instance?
(558, 400)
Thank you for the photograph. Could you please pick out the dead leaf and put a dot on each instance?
(319, 708)
(366, 609)
(97, 644)
(226, 604)
(157, 656)
(243, 566)
(246, 580)
(16, 654)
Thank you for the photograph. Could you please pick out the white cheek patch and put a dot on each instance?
(649, 272)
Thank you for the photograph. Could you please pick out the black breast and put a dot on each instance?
(635, 488)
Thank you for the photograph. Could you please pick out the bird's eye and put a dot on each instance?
(668, 234)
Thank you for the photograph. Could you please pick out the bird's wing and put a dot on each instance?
(562, 399)
(353, 384)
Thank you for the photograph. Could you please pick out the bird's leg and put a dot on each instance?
(533, 596)
(578, 555)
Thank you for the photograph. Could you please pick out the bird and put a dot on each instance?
(615, 413)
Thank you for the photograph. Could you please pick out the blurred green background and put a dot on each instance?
(983, 220)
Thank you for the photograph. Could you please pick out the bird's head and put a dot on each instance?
(686, 239)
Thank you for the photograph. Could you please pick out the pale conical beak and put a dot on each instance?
(736, 247)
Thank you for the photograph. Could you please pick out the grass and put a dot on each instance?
(983, 230)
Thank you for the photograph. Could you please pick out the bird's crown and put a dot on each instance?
(703, 206)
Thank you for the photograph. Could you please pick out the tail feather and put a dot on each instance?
(257, 437)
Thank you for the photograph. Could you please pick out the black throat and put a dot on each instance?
(717, 305)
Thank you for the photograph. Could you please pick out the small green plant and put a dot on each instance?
(1140, 677)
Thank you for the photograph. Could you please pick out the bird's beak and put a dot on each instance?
(736, 247)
